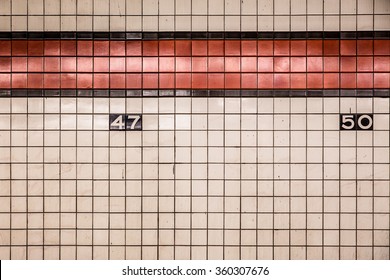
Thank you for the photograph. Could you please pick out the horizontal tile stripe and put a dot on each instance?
(194, 93)
(195, 64)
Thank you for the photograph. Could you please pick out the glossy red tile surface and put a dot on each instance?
(5, 47)
(35, 64)
(381, 80)
(84, 81)
(281, 81)
(101, 64)
(365, 47)
(216, 64)
(117, 64)
(51, 81)
(232, 48)
(150, 48)
(249, 81)
(331, 47)
(166, 81)
(348, 64)
(281, 47)
(382, 63)
(133, 81)
(282, 64)
(232, 64)
(101, 48)
(68, 81)
(199, 64)
(51, 64)
(85, 48)
(68, 48)
(331, 80)
(150, 81)
(167, 64)
(248, 48)
(365, 80)
(331, 64)
(35, 48)
(68, 64)
(265, 64)
(117, 81)
(216, 81)
(314, 64)
(348, 80)
(199, 48)
(5, 81)
(233, 81)
(101, 81)
(199, 81)
(365, 64)
(216, 47)
(298, 47)
(348, 47)
(314, 81)
(166, 48)
(382, 47)
(133, 48)
(298, 81)
(117, 48)
(84, 64)
(150, 64)
(35, 80)
(183, 81)
(19, 48)
(183, 64)
(133, 64)
(5, 64)
(298, 64)
(52, 48)
(265, 81)
(249, 64)
(314, 47)
(265, 48)
(183, 47)
(19, 81)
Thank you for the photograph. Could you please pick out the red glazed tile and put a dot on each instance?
(35, 64)
(84, 81)
(216, 47)
(5, 81)
(19, 81)
(331, 64)
(19, 48)
(265, 64)
(183, 81)
(101, 48)
(314, 81)
(5, 64)
(51, 81)
(281, 81)
(183, 64)
(348, 47)
(117, 48)
(216, 81)
(166, 81)
(248, 81)
(232, 48)
(133, 64)
(68, 80)
(265, 48)
(265, 81)
(166, 48)
(381, 47)
(298, 64)
(150, 48)
(199, 48)
(216, 64)
(281, 64)
(298, 47)
(348, 64)
(35, 48)
(232, 81)
(84, 64)
(348, 80)
(281, 47)
(84, 48)
(5, 47)
(314, 64)
(150, 81)
(365, 47)
(101, 81)
(331, 80)
(150, 64)
(52, 48)
(382, 80)
(331, 47)
(365, 80)
(314, 47)
(117, 64)
(249, 64)
(365, 64)
(298, 81)
(183, 48)
(232, 64)
(68, 48)
(133, 81)
(133, 48)
(117, 81)
(248, 48)
(19, 64)
(199, 81)
(68, 64)
(167, 64)
(101, 64)
(52, 64)
(199, 64)
(35, 81)
(382, 63)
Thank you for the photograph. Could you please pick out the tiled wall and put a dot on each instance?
(240, 156)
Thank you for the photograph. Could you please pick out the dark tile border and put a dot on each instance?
(194, 35)
(195, 93)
